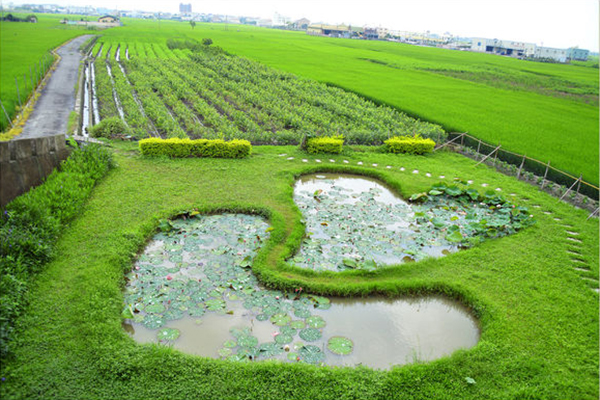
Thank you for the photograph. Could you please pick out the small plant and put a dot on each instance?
(331, 145)
(409, 145)
(109, 128)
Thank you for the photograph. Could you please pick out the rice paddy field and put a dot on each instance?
(504, 101)
(22, 46)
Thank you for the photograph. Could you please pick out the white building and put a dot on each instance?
(559, 55)
(503, 47)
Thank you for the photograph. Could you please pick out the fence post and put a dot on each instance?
(569, 189)
(545, 174)
(521, 167)
(18, 93)
(31, 76)
(478, 147)
(5, 113)
(579, 185)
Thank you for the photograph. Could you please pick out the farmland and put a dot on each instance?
(22, 47)
(517, 104)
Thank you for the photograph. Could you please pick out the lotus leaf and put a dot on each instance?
(311, 354)
(281, 319)
(283, 338)
(168, 334)
(297, 324)
(247, 341)
(225, 352)
(315, 321)
(293, 356)
(310, 334)
(155, 308)
(152, 321)
(268, 350)
(340, 345)
(215, 305)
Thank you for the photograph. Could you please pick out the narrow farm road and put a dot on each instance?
(51, 112)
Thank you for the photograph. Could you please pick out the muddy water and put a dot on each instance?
(384, 332)
(196, 279)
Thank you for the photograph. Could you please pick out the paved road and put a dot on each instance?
(51, 112)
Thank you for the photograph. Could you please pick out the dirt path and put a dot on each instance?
(51, 112)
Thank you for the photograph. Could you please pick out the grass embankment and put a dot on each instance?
(546, 111)
(22, 45)
(539, 318)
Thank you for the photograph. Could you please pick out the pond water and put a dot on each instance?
(193, 289)
(356, 222)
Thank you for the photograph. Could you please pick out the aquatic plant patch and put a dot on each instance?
(201, 265)
(356, 223)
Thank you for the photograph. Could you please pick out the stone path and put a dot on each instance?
(51, 112)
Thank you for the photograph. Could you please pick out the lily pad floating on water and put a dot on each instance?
(281, 319)
(315, 321)
(311, 354)
(340, 345)
(310, 334)
(168, 334)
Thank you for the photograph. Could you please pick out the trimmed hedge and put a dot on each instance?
(325, 145)
(31, 224)
(409, 145)
(215, 148)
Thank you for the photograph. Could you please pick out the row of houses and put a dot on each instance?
(105, 21)
(528, 50)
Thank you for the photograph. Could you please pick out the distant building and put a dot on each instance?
(302, 23)
(185, 8)
(503, 47)
(370, 33)
(550, 53)
(577, 54)
(340, 31)
(108, 19)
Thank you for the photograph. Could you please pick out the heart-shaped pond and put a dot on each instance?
(355, 222)
(193, 288)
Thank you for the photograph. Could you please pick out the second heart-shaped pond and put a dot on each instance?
(193, 288)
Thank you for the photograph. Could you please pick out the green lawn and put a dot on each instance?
(22, 45)
(538, 314)
(546, 111)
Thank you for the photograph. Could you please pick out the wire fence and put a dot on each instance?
(543, 172)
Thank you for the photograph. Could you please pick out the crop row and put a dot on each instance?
(213, 95)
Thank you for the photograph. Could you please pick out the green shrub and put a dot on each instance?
(108, 128)
(31, 223)
(215, 148)
(409, 145)
(325, 144)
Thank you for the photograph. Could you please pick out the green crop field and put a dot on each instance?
(546, 111)
(22, 45)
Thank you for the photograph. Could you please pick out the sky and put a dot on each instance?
(552, 23)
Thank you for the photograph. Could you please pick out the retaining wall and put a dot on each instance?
(25, 163)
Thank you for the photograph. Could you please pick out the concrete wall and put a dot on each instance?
(25, 163)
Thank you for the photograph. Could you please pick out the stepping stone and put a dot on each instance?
(346, 161)
(304, 160)
(547, 212)
(442, 177)
(567, 226)
(596, 290)
(572, 233)
(484, 184)
(574, 252)
(469, 182)
(498, 189)
(283, 155)
(290, 158)
(428, 175)
(536, 206)
(513, 194)
(389, 167)
(317, 160)
(572, 239)
(582, 269)
(375, 165)
(557, 219)
(360, 163)
(416, 171)
(402, 169)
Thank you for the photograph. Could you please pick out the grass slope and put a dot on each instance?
(22, 45)
(539, 318)
(516, 103)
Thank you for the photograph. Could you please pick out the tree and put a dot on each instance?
(193, 24)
